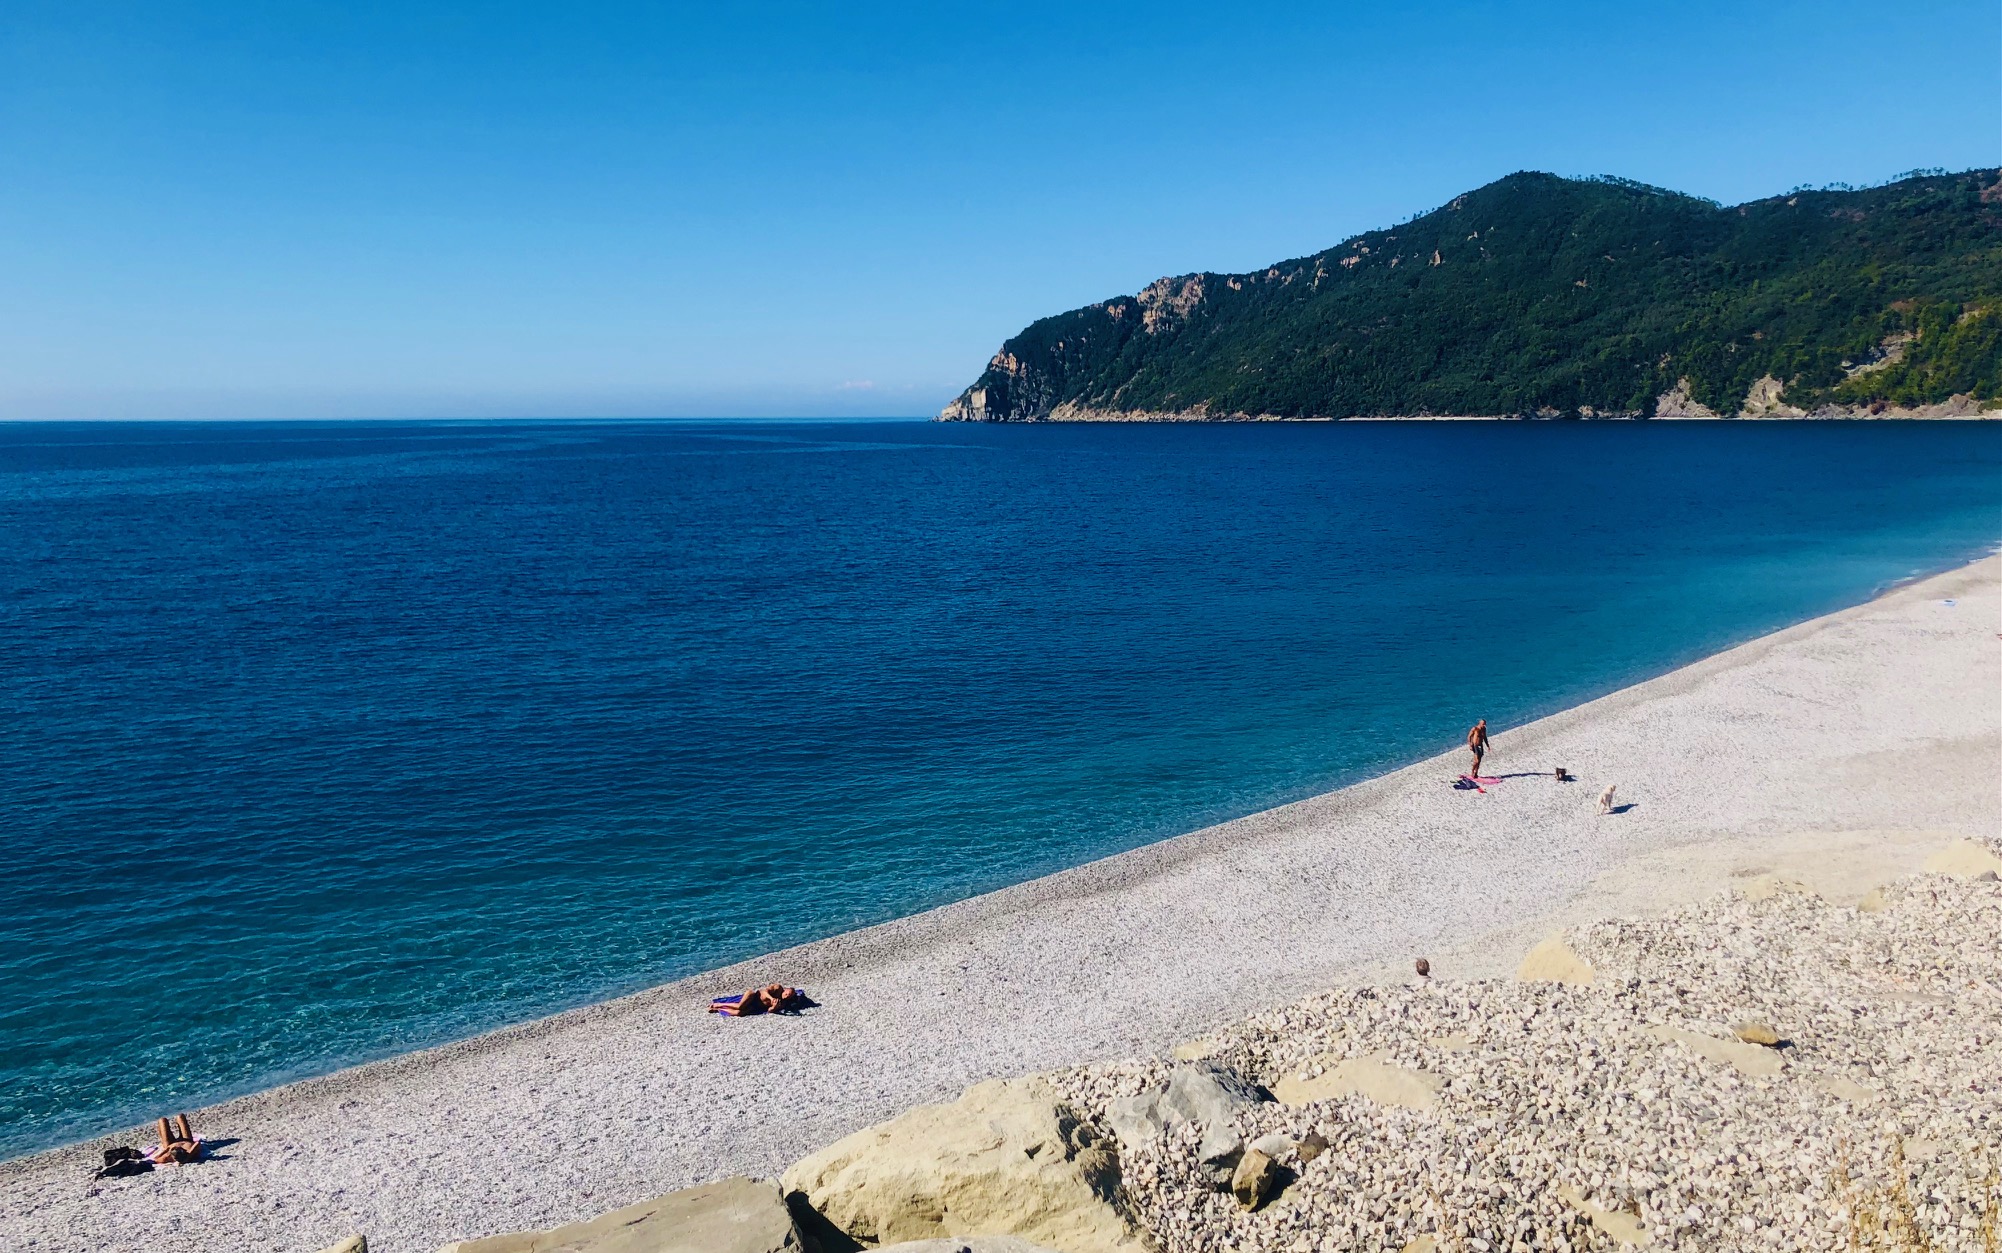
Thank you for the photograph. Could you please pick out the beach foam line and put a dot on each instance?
(1879, 718)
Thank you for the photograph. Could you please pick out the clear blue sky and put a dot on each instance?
(353, 209)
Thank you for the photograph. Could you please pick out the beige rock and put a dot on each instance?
(1252, 1181)
(1747, 1059)
(353, 1244)
(1872, 902)
(1624, 1227)
(1849, 1090)
(1006, 1158)
(1311, 1146)
(1423, 1244)
(1452, 1043)
(1757, 1033)
(1371, 1076)
(735, 1216)
(1553, 962)
(973, 1243)
(1193, 1050)
(1964, 859)
(1766, 886)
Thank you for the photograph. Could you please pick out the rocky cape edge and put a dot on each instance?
(1674, 405)
(1765, 401)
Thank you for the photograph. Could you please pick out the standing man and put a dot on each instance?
(1477, 740)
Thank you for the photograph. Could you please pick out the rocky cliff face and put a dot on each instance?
(1029, 383)
(1545, 297)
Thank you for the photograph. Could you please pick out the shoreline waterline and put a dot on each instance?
(1868, 719)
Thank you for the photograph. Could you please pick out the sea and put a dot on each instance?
(321, 742)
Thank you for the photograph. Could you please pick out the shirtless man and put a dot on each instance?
(1477, 740)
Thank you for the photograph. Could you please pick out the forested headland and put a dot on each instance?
(1540, 296)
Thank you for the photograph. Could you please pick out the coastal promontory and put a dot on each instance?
(1540, 296)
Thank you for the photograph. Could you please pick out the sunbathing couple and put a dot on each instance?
(773, 998)
(179, 1146)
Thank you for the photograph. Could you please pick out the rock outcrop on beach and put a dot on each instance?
(1539, 296)
(733, 1216)
(1008, 1158)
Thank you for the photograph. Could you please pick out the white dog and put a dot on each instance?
(1606, 799)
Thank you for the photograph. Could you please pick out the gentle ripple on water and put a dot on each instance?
(324, 741)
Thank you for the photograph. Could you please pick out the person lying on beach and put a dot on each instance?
(178, 1145)
(773, 998)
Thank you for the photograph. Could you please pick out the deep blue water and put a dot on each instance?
(320, 742)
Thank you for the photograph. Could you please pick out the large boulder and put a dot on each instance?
(734, 1216)
(1207, 1095)
(1007, 1158)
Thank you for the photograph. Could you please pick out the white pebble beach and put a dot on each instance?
(1839, 752)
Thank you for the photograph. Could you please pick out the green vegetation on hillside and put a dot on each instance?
(1958, 351)
(1544, 295)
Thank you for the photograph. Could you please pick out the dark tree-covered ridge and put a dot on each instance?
(1544, 296)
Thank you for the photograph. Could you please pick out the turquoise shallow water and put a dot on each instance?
(329, 741)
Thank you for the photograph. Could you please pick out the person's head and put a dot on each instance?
(1482, 724)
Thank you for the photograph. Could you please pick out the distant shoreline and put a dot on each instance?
(568, 1116)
